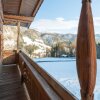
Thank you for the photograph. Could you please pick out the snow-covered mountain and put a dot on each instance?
(42, 47)
(44, 41)
(27, 37)
(50, 39)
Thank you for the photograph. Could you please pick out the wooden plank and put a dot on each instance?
(20, 7)
(11, 6)
(10, 84)
(37, 6)
(86, 52)
(25, 8)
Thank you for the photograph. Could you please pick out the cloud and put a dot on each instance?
(97, 21)
(60, 25)
(60, 19)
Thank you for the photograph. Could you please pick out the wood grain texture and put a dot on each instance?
(36, 7)
(86, 52)
(10, 84)
(20, 6)
(26, 8)
(18, 18)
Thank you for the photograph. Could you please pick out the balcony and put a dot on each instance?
(21, 78)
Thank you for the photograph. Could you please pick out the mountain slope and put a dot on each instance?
(10, 34)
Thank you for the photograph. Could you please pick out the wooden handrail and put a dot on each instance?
(9, 57)
(33, 80)
(45, 85)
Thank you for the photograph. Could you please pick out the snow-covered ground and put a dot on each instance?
(64, 71)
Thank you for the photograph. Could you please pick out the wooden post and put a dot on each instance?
(1, 32)
(18, 28)
(86, 52)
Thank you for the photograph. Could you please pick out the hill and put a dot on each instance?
(43, 42)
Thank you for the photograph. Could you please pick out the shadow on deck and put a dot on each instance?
(10, 84)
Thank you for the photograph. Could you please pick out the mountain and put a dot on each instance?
(50, 39)
(43, 41)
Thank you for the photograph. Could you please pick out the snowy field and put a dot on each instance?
(64, 71)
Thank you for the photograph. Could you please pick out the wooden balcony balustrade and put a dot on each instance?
(40, 85)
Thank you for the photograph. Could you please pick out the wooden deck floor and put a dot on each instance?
(10, 84)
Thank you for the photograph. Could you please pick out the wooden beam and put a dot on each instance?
(1, 32)
(86, 52)
(18, 18)
(18, 28)
(37, 6)
(9, 21)
(20, 7)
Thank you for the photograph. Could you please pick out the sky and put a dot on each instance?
(62, 16)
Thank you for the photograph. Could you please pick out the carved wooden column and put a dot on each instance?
(86, 52)
(1, 31)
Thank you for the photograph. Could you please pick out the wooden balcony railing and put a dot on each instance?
(9, 57)
(40, 85)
